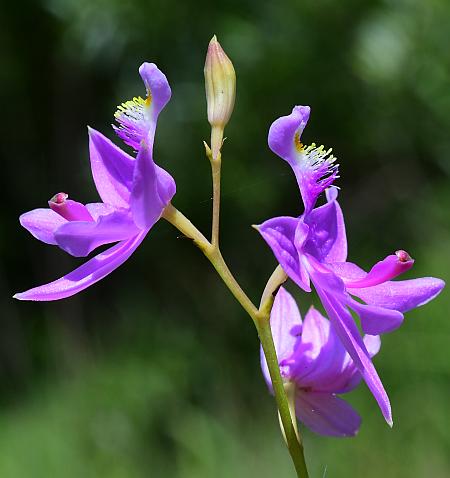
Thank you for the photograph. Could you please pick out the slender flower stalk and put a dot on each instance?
(216, 166)
(261, 319)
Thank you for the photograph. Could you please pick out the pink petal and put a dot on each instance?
(377, 320)
(42, 224)
(389, 268)
(286, 325)
(112, 170)
(348, 333)
(326, 414)
(320, 358)
(149, 195)
(327, 241)
(282, 234)
(89, 273)
(79, 238)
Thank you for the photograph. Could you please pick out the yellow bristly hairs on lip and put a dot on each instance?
(133, 108)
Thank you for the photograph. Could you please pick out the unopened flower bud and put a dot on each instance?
(220, 82)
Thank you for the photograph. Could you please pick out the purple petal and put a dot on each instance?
(326, 414)
(285, 133)
(349, 377)
(348, 333)
(327, 240)
(377, 320)
(281, 235)
(397, 295)
(402, 295)
(390, 267)
(157, 86)
(42, 224)
(86, 275)
(152, 190)
(321, 357)
(313, 166)
(97, 209)
(68, 209)
(79, 238)
(112, 170)
(137, 118)
(286, 326)
(372, 343)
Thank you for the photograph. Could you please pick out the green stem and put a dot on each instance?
(215, 171)
(261, 319)
(216, 164)
(182, 223)
(293, 443)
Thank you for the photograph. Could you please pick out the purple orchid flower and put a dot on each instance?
(134, 192)
(313, 247)
(313, 359)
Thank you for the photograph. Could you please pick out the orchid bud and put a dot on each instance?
(220, 82)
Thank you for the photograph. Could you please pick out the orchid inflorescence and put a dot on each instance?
(305, 364)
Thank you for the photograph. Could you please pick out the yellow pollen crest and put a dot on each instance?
(134, 107)
(129, 106)
(298, 143)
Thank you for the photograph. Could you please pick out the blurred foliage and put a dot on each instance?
(154, 371)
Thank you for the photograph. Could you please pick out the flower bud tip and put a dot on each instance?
(220, 85)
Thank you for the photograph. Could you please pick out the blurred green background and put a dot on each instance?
(154, 372)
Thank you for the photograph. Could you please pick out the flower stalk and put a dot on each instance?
(216, 166)
(261, 319)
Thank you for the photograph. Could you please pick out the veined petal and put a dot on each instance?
(112, 170)
(79, 238)
(398, 295)
(137, 117)
(281, 235)
(327, 240)
(86, 275)
(326, 414)
(42, 224)
(152, 189)
(286, 326)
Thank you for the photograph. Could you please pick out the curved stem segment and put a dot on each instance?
(261, 319)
